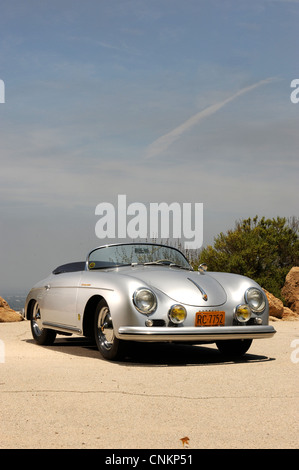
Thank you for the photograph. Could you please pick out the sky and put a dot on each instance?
(161, 101)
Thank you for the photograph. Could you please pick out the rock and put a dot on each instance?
(276, 307)
(290, 290)
(277, 311)
(7, 314)
(4, 304)
(289, 315)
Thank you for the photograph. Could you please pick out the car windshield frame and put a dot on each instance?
(134, 254)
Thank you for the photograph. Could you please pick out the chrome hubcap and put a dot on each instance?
(36, 320)
(105, 329)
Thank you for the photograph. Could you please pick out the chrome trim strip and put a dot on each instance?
(195, 333)
(203, 293)
(80, 286)
(61, 327)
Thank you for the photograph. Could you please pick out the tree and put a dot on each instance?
(264, 250)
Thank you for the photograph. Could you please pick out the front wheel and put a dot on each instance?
(42, 336)
(109, 346)
(234, 348)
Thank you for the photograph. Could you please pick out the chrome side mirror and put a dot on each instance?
(202, 268)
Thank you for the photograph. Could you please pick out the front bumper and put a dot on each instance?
(193, 334)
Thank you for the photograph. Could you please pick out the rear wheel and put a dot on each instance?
(234, 348)
(42, 336)
(109, 346)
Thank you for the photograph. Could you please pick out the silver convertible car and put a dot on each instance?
(132, 292)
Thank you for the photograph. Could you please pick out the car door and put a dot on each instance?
(59, 302)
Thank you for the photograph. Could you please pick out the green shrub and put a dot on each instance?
(264, 250)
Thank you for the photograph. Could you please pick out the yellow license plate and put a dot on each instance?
(215, 318)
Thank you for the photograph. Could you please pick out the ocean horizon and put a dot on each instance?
(16, 301)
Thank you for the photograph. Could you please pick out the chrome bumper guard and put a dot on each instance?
(206, 333)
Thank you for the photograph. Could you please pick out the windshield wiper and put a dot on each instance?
(172, 265)
(158, 263)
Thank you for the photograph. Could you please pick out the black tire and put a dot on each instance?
(234, 348)
(109, 346)
(42, 336)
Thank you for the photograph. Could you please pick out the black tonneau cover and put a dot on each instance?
(70, 267)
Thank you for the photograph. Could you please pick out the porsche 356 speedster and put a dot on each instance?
(128, 292)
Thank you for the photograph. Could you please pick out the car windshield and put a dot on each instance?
(136, 253)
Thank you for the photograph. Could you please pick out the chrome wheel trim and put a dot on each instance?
(36, 320)
(105, 329)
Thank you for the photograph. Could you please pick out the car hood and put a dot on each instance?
(186, 287)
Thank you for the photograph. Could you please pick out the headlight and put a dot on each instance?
(242, 313)
(256, 299)
(145, 300)
(177, 314)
